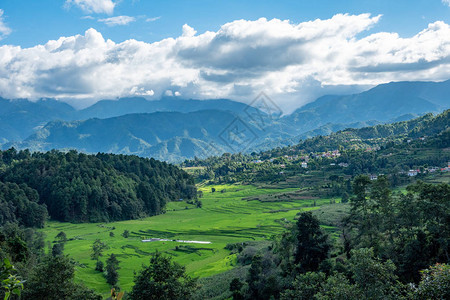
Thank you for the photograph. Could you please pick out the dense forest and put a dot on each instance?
(76, 187)
(392, 246)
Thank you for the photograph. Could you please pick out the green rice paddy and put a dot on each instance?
(225, 217)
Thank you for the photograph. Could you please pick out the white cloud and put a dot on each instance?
(139, 91)
(119, 20)
(152, 19)
(93, 6)
(446, 2)
(4, 30)
(292, 63)
(188, 31)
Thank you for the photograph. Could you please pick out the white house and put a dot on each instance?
(412, 173)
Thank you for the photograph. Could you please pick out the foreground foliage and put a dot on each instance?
(388, 243)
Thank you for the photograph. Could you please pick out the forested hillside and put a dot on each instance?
(76, 187)
(392, 149)
(378, 135)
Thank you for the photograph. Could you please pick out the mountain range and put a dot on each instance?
(174, 129)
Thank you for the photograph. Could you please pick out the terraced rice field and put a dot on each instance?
(224, 218)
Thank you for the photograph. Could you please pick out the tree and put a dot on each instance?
(97, 249)
(263, 278)
(254, 277)
(345, 197)
(112, 265)
(236, 288)
(162, 279)
(338, 287)
(126, 234)
(99, 266)
(360, 187)
(435, 283)
(374, 278)
(312, 244)
(53, 279)
(305, 286)
(58, 249)
(61, 237)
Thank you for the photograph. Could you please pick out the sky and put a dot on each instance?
(295, 51)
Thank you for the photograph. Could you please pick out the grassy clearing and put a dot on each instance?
(224, 218)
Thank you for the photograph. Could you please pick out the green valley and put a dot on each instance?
(232, 222)
(225, 218)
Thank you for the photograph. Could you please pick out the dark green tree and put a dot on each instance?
(305, 286)
(97, 249)
(312, 244)
(53, 279)
(112, 266)
(162, 280)
(236, 288)
(99, 266)
(254, 278)
(61, 237)
(58, 249)
(374, 278)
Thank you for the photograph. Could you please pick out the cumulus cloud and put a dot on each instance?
(93, 6)
(292, 63)
(188, 31)
(446, 2)
(4, 30)
(119, 20)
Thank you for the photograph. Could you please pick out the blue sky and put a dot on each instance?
(295, 51)
(35, 22)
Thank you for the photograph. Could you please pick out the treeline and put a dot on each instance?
(76, 187)
(392, 246)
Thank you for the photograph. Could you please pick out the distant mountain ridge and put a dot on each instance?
(18, 118)
(383, 103)
(169, 135)
(114, 108)
(174, 129)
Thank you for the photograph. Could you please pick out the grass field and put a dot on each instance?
(224, 218)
